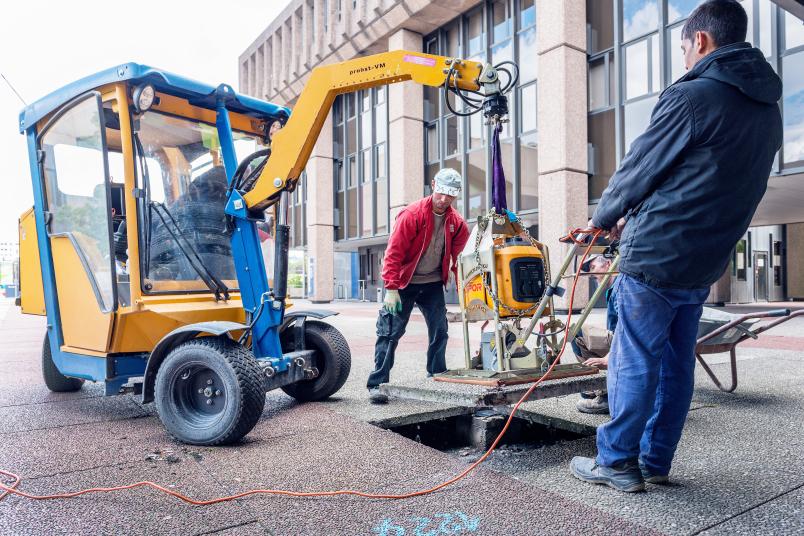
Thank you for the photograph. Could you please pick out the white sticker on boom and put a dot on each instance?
(429, 62)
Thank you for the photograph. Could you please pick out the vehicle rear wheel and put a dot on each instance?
(209, 391)
(332, 358)
(55, 380)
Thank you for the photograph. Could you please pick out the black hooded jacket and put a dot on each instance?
(691, 183)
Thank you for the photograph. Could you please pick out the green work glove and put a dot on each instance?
(392, 303)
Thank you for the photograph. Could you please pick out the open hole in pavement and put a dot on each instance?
(479, 430)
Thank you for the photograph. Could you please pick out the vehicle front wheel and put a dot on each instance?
(209, 391)
(331, 357)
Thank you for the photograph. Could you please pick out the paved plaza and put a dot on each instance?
(739, 468)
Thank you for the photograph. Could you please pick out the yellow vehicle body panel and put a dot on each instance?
(138, 329)
(32, 294)
(83, 324)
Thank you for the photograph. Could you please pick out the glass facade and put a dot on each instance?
(634, 50)
(360, 160)
(495, 31)
(297, 213)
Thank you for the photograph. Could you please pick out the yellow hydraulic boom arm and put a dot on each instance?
(291, 146)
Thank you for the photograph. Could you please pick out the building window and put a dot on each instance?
(600, 25)
(360, 141)
(628, 70)
(602, 152)
(640, 17)
(496, 31)
(740, 260)
(298, 215)
(793, 110)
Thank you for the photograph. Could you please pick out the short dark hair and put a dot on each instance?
(724, 20)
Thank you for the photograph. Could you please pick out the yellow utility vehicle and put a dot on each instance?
(142, 248)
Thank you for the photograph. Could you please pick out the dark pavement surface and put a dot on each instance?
(739, 469)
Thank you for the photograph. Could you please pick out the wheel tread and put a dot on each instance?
(249, 378)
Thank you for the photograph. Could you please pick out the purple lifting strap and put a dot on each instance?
(497, 174)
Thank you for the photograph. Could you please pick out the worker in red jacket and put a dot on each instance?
(427, 238)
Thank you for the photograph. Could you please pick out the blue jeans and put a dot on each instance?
(390, 328)
(650, 374)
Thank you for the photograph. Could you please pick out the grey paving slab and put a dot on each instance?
(701, 495)
(343, 454)
(485, 503)
(246, 529)
(781, 515)
(35, 392)
(139, 511)
(49, 451)
(15, 419)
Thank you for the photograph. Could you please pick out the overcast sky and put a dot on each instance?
(47, 44)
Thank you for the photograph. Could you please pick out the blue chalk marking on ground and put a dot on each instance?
(440, 524)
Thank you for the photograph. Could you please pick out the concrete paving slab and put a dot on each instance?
(386, 463)
(781, 515)
(15, 419)
(48, 451)
(699, 497)
(729, 440)
(479, 395)
(246, 529)
(486, 503)
(140, 511)
(37, 393)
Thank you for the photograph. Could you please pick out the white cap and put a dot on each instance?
(448, 182)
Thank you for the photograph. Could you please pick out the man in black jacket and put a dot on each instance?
(684, 194)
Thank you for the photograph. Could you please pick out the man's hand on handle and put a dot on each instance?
(392, 302)
(613, 233)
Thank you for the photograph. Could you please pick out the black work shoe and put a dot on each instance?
(624, 477)
(651, 478)
(377, 397)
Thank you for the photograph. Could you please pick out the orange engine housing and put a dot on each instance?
(520, 282)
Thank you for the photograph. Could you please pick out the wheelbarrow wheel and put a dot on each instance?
(55, 380)
(331, 357)
(209, 391)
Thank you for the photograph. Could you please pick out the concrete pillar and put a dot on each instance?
(276, 57)
(267, 69)
(308, 39)
(405, 136)
(252, 73)
(242, 78)
(320, 38)
(563, 162)
(296, 53)
(260, 76)
(320, 216)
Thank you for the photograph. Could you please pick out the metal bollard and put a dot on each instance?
(379, 295)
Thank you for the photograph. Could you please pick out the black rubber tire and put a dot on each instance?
(55, 380)
(201, 243)
(332, 358)
(236, 375)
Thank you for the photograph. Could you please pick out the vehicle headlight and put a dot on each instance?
(143, 97)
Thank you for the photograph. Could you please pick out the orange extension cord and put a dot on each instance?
(11, 489)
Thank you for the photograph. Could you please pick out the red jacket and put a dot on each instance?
(412, 233)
